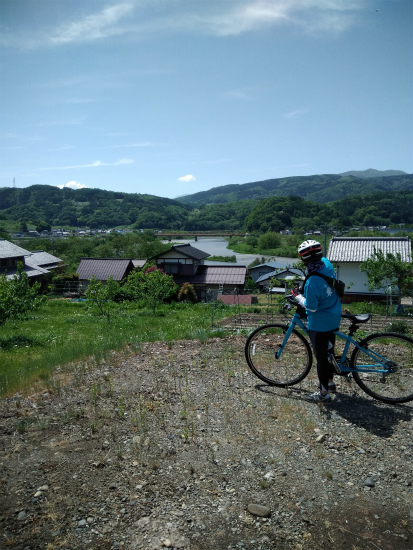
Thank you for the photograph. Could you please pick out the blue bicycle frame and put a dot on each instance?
(382, 365)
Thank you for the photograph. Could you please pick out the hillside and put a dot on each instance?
(318, 188)
(272, 205)
(372, 173)
(94, 208)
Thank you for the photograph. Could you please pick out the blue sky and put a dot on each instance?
(170, 97)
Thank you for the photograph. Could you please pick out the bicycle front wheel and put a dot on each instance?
(291, 367)
(397, 351)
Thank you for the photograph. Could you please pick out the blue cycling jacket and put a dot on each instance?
(322, 303)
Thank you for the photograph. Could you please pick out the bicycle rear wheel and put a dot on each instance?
(292, 366)
(397, 349)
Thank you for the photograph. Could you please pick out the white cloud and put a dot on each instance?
(187, 178)
(72, 185)
(214, 18)
(95, 164)
(93, 27)
(251, 15)
(294, 114)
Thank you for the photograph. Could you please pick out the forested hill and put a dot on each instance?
(93, 208)
(319, 188)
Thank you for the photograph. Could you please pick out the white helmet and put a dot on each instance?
(310, 251)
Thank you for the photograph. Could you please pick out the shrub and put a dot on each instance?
(187, 293)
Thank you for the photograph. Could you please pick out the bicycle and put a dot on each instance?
(381, 363)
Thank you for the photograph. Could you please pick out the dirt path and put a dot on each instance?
(181, 447)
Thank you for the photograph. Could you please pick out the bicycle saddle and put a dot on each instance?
(363, 318)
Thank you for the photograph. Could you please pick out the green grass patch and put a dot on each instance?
(64, 332)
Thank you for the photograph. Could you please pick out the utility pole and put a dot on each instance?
(15, 193)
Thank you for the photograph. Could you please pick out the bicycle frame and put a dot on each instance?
(381, 366)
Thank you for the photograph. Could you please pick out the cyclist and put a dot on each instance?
(323, 308)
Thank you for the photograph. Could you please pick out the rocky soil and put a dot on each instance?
(181, 447)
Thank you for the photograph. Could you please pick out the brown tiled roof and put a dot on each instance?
(220, 274)
(103, 268)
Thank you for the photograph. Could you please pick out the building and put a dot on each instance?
(278, 281)
(103, 268)
(347, 255)
(186, 264)
(37, 265)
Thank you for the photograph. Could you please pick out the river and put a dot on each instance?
(217, 246)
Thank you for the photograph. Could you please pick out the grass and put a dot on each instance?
(63, 332)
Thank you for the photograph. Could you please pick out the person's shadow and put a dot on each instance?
(376, 417)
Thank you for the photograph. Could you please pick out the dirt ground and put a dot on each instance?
(180, 446)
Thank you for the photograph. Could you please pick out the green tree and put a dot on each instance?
(101, 296)
(389, 270)
(269, 241)
(17, 296)
(151, 286)
(187, 293)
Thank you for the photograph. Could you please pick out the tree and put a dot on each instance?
(389, 270)
(17, 297)
(101, 296)
(187, 293)
(152, 286)
(269, 241)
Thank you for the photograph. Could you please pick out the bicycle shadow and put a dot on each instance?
(376, 417)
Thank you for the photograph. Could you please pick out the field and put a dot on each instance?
(147, 432)
(63, 332)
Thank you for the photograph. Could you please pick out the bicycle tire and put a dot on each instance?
(294, 363)
(394, 387)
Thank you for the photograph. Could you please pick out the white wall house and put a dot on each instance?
(347, 255)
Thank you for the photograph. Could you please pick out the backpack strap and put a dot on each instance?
(330, 280)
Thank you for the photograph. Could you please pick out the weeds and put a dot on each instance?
(64, 332)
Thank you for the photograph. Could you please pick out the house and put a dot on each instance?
(278, 280)
(36, 264)
(347, 255)
(103, 268)
(186, 264)
(259, 270)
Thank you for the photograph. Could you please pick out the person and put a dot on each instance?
(323, 308)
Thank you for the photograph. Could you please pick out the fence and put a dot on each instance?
(60, 288)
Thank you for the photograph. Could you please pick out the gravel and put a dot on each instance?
(180, 446)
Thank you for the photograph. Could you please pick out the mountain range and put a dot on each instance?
(319, 188)
(369, 198)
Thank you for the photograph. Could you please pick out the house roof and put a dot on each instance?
(186, 250)
(103, 268)
(359, 249)
(42, 258)
(10, 250)
(35, 263)
(266, 264)
(220, 274)
(31, 271)
(297, 274)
